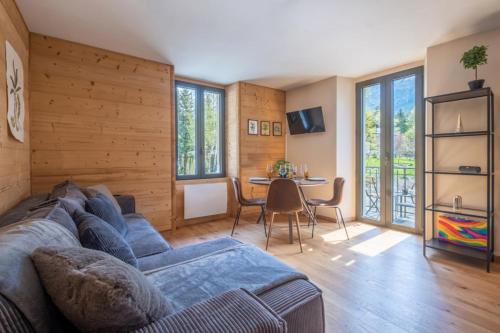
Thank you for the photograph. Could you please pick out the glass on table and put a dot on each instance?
(306, 172)
(269, 171)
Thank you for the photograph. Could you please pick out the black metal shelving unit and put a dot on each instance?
(486, 214)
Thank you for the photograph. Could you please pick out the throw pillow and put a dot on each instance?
(68, 189)
(97, 292)
(56, 213)
(94, 233)
(103, 189)
(101, 206)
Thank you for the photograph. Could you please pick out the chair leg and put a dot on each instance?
(342, 218)
(298, 230)
(264, 219)
(260, 216)
(314, 221)
(236, 219)
(270, 229)
(337, 218)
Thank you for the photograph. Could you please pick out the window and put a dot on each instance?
(200, 131)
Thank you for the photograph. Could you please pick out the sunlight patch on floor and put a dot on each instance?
(338, 235)
(337, 257)
(350, 262)
(380, 243)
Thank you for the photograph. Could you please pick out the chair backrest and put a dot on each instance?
(237, 189)
(283, 196)
(338, 188)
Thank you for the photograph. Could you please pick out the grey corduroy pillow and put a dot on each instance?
(98, 292)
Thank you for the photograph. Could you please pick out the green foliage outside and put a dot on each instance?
(211, 132)
(186, 131)
(403, 128)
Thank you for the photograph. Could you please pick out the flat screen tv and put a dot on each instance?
(306, 121)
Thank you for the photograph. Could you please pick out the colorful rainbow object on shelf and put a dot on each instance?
(462, 232)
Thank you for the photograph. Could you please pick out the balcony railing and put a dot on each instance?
(404, 198)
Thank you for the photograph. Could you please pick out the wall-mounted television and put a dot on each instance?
(306, 121)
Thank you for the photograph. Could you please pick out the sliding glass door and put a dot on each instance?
(389, 125)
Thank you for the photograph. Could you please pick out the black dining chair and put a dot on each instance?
(334, 202)
(243, 202)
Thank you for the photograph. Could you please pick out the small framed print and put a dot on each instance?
(253, 127)
(277, 129)
(265, 128)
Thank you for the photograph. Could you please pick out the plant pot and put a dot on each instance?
(476, 84)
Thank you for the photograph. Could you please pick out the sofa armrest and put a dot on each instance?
(234, 311)
(126, 202)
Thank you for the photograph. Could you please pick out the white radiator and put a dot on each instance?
(205, 200)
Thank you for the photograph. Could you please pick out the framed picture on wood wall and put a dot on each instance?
(253, 127)
(265, 128)
(277, 129)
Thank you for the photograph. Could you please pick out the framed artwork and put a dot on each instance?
(277, 129)
(15, 92)
(265, 128)
(253, 127)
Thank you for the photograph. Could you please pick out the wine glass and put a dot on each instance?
(269, 171)
(294, 170)
(306, 172)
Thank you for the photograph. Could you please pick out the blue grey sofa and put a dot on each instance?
(219, 285)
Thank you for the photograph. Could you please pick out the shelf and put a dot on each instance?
(458, 96)
(448, 209)
(456, 172)
(448, 247)
(457, 134)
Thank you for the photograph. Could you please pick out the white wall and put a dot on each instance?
(346, 142)
(332, 153)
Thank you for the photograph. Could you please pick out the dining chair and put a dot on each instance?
(283, 197)
(372, 194)
(243, 202)
(334, 202)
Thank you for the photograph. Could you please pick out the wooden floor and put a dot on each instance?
(378, 281)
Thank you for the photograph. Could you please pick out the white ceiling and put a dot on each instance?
(277, 43)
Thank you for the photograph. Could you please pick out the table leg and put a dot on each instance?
(306, 206)
(290, 229)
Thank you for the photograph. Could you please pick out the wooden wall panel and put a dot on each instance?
(255, 152)
(14, 155)
(102, 117)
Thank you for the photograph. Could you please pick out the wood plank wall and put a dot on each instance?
(14, 155)
(102, 117)
(253, 153)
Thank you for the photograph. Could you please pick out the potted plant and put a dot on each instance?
(472, 59)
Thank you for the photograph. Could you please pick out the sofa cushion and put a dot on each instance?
(300, 303)
(98, 235)
(97, 292)
(57, 214)
(241, 266)
(19, 211)
(102, 207)
(19, 281)
(103, 189)
(185, 253)
(143, 237)
(11, 319)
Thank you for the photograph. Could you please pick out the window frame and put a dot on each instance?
(199, 132)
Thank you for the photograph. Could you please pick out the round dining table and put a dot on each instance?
(301, 183)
